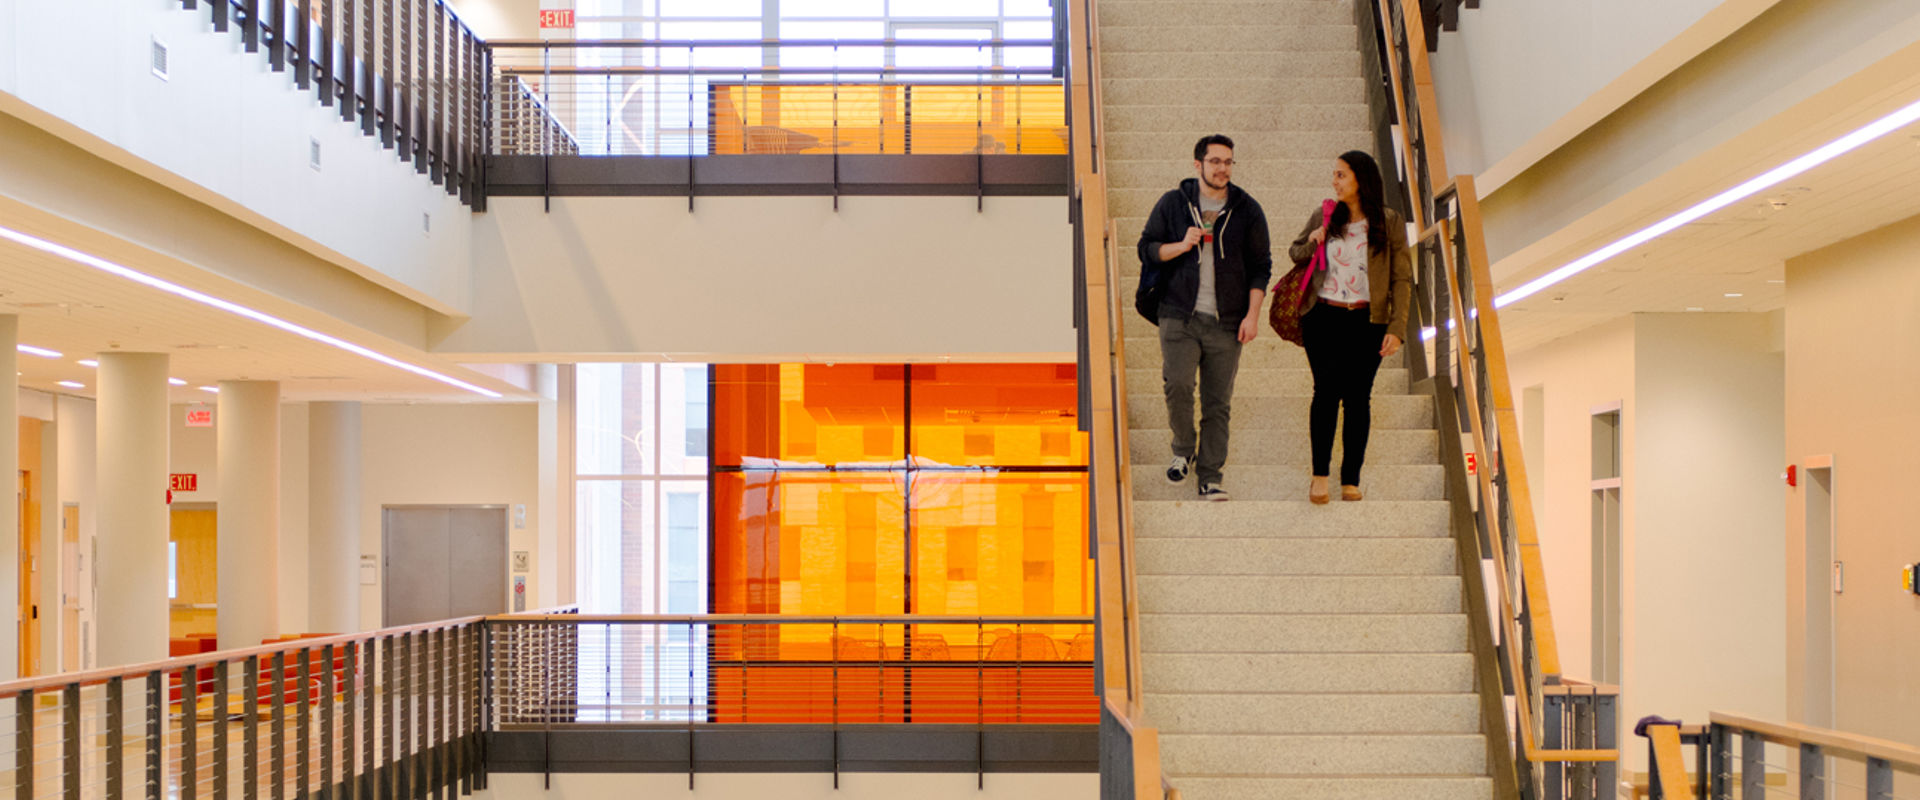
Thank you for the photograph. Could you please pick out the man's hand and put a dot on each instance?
(1249, 327)
(1194, 237)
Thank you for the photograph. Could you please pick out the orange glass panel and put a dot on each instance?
(927, 118)
(846, 414)
(997, 415)
(809, 544)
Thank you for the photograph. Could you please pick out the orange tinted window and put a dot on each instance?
(809, 544)
(997, 415)
(845, 414)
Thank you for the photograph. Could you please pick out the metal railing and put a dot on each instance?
(1803, 762)
(405, 712)
(1541, 736)
(624, 97)
(408, 72)
(763, 669)
(374, 714)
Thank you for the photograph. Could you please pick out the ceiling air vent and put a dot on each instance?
(159, 59)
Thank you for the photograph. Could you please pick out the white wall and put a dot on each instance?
(1853, 387)
(804, 786)
(228, 131)
(1576, 374)
(1707, 606)
(771, 278)
(77, 457)
(1513, 70)
(448, 454)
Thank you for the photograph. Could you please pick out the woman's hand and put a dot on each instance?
(1319, 235)
(1389, 346)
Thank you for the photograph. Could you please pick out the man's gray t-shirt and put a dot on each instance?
(1206, 302)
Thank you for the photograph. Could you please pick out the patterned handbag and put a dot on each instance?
(1290, 295)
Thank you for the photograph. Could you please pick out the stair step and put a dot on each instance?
(1314, 714)
(1184, 34)
(1282, 673)
(1304, 633)
(1154, 13)
(1266, 381)
(1289, 413)
(1245, 594)
(1211, 754)
(1259, 176)
(1424, 787)
(1167, 91)
(1286, 206)
(1265, 352)
(1238, 119)
(1214, 556)
(1293, 518)
(1267, 447)
(1379, 482)
(1251, 148)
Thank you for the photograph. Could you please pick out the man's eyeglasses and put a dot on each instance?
(1218, 162)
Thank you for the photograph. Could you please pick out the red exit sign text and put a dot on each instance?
(185, 482)
(556, 18)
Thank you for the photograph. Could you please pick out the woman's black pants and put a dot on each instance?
(1343, 349)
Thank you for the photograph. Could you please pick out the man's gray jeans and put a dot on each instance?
(1190, 343)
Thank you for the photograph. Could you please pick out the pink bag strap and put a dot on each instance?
(1319, 254)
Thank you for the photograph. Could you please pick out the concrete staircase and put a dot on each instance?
(1291, 651)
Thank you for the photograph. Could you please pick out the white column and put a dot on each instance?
(333, 517)
(132, 530)
(10, 516)
(248, 426)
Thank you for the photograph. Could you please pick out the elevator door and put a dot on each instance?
(443, 562)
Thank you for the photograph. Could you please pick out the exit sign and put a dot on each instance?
(185, 482)
(199, 417)
(556, 18)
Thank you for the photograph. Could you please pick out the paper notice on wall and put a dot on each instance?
(369, 570)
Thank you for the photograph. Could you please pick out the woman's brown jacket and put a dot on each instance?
(1389, 273)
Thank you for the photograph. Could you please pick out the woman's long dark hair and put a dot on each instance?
(1373, 204)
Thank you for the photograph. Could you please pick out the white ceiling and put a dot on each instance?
(1740, 250)
(80, 312)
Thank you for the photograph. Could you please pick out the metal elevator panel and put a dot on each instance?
(443, 562)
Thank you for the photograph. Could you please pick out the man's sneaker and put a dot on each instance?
(1212, 491)
(1177, 472)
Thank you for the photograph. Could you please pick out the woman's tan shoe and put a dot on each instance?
(1350, 493)
(1317, 492)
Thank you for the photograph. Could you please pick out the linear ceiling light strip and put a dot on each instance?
(104, 265)
(1834, 149)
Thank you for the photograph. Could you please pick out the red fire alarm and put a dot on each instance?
(1793, 475)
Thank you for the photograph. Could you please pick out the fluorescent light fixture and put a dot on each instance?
(89, 363)
(38, 351)
(1892, 122)
(213, 389)
(1735, 294)
(1695, 308)
(73, 384)
(230, 307)
(176, 381)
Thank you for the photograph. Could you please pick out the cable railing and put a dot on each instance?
(1549, 737)
(632, 97)
(408, 72)
(407, 712)
(1751, 758)
(767, 669)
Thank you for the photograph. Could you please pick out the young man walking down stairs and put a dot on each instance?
(1205, 260)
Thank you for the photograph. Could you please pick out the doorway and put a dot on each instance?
(442, 562)
(1604, 486)
(1823, 582)
(70, 587)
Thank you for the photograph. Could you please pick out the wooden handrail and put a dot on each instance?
(99, 676)
(1518, 496)
(1901, 755)
(1669, 764)
(777, 619)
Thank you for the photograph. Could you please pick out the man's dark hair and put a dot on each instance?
(1200, 147)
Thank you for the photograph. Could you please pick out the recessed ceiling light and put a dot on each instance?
(73, 384)
(176, 381)
(231, 307)
(1901, 118)
(89, 363)
(1735, 294)
(213, 389)
(1695, 308)
(38, 351)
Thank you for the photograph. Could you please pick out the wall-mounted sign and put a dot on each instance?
(556, 18)
(521, 561)
(184, 482)
(199, 417)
